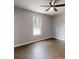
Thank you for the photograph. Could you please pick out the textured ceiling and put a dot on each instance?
(34, 5)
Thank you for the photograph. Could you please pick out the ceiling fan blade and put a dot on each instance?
(47, 9)
(55, 9)
(51, 1)
(59, 5)
(54, 1)
(44, 6)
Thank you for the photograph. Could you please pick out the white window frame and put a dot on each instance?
(36, 25)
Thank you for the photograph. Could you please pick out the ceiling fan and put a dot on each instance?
(52, 5)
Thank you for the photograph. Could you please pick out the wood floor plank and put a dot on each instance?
(46, 49)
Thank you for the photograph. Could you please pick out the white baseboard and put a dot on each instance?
(31, 42)
(59, 38)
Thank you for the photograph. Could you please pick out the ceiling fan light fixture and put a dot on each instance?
(51, 8)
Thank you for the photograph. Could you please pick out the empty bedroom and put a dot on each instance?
(39, 29)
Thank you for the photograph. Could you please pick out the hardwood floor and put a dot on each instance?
(46, 49)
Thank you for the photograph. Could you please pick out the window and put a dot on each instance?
(36, 25)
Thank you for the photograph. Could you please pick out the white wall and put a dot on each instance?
(58, 26)
(23, 26)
